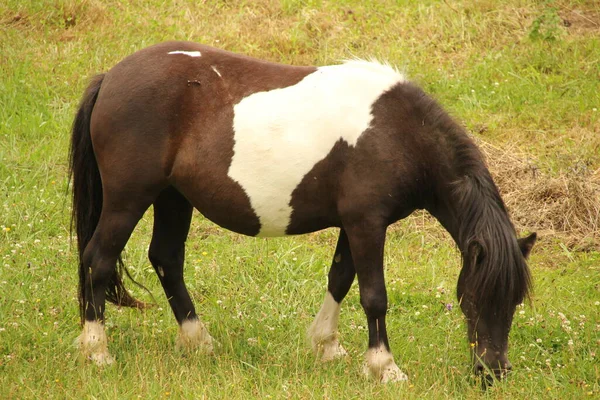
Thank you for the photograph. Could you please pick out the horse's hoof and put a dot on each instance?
(380, 366)
(393, 374)
(93, 343)
(388, 374)
(202, 344)
(101, 358)
(194, 336)
(331, 350)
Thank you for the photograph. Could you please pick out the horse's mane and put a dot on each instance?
(496, 272)
(376, 66)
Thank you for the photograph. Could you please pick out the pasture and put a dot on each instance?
(524, 78)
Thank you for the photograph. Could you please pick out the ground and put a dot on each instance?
(522, 75)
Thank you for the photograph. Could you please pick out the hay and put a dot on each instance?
(566, 206)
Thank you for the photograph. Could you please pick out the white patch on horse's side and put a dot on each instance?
(161, 272)
(93, 343)
(187, 53)
(216, 70)
(281, 134)
(380, 365)
(323, 332)
(193, 335)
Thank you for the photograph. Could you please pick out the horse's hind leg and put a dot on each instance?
(118, 219)
(323, 332)
(172, 216)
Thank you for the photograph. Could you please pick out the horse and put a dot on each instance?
(266, 149)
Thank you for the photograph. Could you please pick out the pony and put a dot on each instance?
(265, 149)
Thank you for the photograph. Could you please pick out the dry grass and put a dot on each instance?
(566, 206)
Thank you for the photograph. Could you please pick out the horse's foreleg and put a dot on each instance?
(172, 216)
(367, 240)
(99, 259)
(323, 332)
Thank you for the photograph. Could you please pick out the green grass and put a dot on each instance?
(513, 72)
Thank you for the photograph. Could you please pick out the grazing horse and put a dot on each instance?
(265, 149)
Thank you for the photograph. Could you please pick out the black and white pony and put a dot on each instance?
(265, 149)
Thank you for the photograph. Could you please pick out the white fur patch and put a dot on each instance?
(380, 365)
(193, 335)
(187, 53)
(323, 332)
(281, 134)
(93, 343)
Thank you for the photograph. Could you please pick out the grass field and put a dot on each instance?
(524, 74)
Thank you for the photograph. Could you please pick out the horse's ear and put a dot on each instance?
(475, 252)
(526, 244)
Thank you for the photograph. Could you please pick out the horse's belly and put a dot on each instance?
(312, 215)
(268, 213)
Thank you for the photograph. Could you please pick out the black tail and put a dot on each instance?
(87, 198)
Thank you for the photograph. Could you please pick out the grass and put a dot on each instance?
(514, 73)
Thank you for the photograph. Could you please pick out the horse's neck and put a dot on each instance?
(465, 204)
(445, 212)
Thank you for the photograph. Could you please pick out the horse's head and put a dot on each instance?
(489, 316)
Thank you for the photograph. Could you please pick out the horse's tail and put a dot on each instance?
(87, 197)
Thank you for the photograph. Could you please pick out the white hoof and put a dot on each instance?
(102, 358)
(380, 366)
(194, 336)
(93, 343)
(323, 333)
(330, 350)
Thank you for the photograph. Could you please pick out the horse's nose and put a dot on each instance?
(505, 371)
(502, 373)
(478, 368)
(503, 365)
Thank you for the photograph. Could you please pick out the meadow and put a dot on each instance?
(522, 75)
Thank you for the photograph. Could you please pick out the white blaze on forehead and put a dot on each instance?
(281, 134)
(187, 53)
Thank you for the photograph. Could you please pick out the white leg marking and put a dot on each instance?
(216, 70)
(187, 53)
(93, 343)
(323, 332)
(281, 134)
(380, 365)
(193, 334)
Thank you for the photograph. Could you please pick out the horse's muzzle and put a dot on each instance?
(489, 374)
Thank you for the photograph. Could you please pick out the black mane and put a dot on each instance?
(497, 275)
